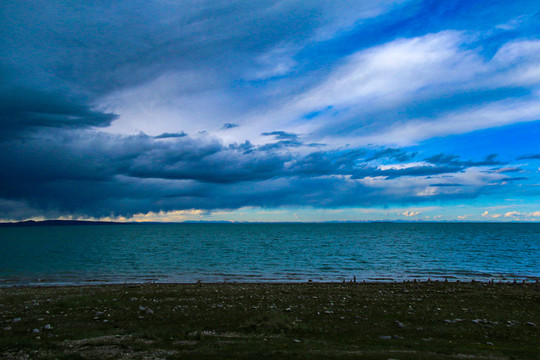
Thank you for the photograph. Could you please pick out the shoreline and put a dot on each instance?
(311, 320)
(516, 280)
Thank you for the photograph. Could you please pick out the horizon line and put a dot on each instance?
(104, 222)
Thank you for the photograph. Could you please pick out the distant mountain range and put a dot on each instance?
(57, 223)
(30, 223)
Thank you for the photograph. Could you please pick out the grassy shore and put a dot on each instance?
(428, 320)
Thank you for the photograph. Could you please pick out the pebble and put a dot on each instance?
(489, 343)
(149, 311)
(530, 323)
(399, 324)
(16, 320)
(7, 328)
(35, 331)
(142, 308)
(47, 327)
(385, 337)
(296, 340)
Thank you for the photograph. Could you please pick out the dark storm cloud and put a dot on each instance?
(520, 178)
(25, 109)
(57, 59)
(286, 140)
(209, 162)
(529, 157)
(88, 173)
(170, 135)
(280, 145)
(228, 126)
(101, 46)
(356, 163)
(282, 135)
(392, 153)
(454, 160)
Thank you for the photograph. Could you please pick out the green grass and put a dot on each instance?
(244, 321)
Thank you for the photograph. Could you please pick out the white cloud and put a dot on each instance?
(404, 165)
(487, 214)
(392, 75)
(163, 216)
(470, 181)
(410, 213)
(495, 114)
(192, 91)
(513, 214)
(275, 62)
(364, 91)
(512, 24)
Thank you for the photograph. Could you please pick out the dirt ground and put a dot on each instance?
(411, 320)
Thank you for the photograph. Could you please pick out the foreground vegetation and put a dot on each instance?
(428, 320)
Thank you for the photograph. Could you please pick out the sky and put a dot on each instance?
(270, 110)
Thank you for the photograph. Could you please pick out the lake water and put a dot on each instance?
(268, 252)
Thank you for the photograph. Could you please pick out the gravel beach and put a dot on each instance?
(409, 320)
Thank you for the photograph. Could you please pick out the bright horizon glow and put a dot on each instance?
(422, 214)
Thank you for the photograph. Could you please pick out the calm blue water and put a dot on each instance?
(267, 252)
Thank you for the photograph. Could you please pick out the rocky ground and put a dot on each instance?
(428, 320)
